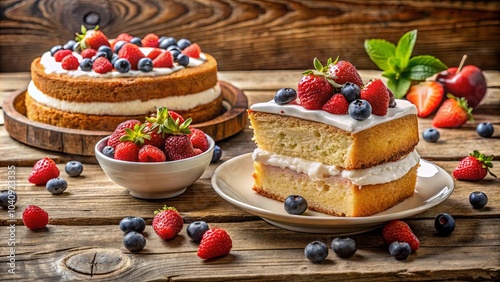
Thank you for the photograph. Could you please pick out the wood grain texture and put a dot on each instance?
(262, 34)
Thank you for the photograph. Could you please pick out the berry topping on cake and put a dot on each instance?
(145, 64)
(88, 53)
(314, 91)
(150, 40)
(132, 53)
(360, 109)
(337, 105)
(285, 96)
(154, 53)
(122, 65)
(192, 50)
(43, 170)
(342, 72)
(375, 92)
(59, 55)
(102, 65)
(454, 112)
(351, 91)
(70, 62)
(93, 38)
(124, 37)
(163, 60)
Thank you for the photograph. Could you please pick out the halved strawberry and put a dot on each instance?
(132, 53)
(155, 52)
(163, 60)
(192, 51)
(426, 96)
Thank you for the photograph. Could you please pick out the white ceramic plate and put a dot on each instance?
(233, 181)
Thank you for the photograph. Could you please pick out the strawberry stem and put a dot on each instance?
(462, 62)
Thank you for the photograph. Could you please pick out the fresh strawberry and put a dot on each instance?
(454, 112)
(44, 170)
(197, 151)
(216, 242)
(114, 139)
(376, 93)
(59, 55)
(198, 139)
(88, 53)
(164, 60)
(157, 138)
(397, 230)
(175, 116)
(150, 40)
(70, 62)
(192, 51)
(314, 91)
(127, 151)
(124, 37)
(102, 65)
(343, 71)
(92, 38)
(155, 53)
(167, 223)
(35, 217)
(474, 167)
(426, 96)
(337, 105)
(132, 53)
(178, 147)
(150, 153)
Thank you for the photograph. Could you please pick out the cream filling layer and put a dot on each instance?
(134, 107)
(317, 171)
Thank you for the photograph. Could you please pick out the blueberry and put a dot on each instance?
(54, 49)
(109, 152)
(195, 230)
(145, 64)
(7, 198)
(217, 154)
(485, 129)
(344, 247)
(74, 168)
(350, 91)
(118, 46)
(360, 109)
(431, 135)
(114, 58)
(107, 50)
(182, 59)
(478, 199)
(167, 42)
(295, 204)
(56, 186)
(175, 53)
(444, 224)
(99, 54)
(136, 40)
(122, 65)
(69, 45)
(174, 47)
(86, 64)
(183, 43)
(76, 47)
(134, 241)
(316, 251)
(399, 250)
(285, 95)
(132, 223)
(392, 100)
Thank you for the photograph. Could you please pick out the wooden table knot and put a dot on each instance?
(97, 262)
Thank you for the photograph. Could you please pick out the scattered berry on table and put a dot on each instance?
(316, 251)
(431, 135)
(108, 151)
(134, 241)
(192, 50)
(59, 55)
(145, 64)
(150, 40)
(426, 96)
(285, 96)
(183, 43)
(351, 91)
(399, 250)
(453, 113)
(343, 71)
(7, 198)
(474, 167)
(122, 65)
(485, 129)
(182, 59)
(150, 153)
(375, 92)
(196, 229)
(295, 204)
(86, 64)
(337, 105)
(399, 231)
(102, 65)
(444, 224)
(167, 223)
(478, 199)
(56, 185)
(359, 109)
(344, 247)
(217, 154)
(34, 217)
(74, 168)
(216, 242)
(70, 62)
(132, 223)
(43, 170)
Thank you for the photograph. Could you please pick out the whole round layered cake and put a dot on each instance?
(93, 83)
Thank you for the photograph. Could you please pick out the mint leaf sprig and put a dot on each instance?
(398, 65)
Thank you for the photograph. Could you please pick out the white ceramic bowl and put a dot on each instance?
(155, 180)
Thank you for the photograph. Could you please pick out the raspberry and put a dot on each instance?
(150, 40)
(88, 53)
(336, 105)
(124, 37)
(43, 170)
(198, 139)
(35, 217)
(70, 62)
(399, 231)
(102, 65)
(150, 153)
(59, 55)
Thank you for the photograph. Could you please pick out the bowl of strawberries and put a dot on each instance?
(155, 159)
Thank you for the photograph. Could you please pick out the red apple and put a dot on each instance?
(469, 83)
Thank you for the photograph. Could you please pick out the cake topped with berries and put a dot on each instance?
(95, 83)
(346, 147)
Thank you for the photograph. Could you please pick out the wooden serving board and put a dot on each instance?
(82, 142)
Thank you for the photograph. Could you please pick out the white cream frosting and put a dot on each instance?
(135, 107)
(317, 171)
(344, 122)
(51, 66)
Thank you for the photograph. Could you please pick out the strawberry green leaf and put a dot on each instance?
(380, 51)
(399, 87)
(405, 47)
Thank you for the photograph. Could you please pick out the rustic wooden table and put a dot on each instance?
(83, 241)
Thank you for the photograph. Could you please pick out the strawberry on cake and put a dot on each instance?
(345, 147)
(94, 83)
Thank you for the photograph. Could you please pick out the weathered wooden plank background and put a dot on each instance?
(257, 35)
